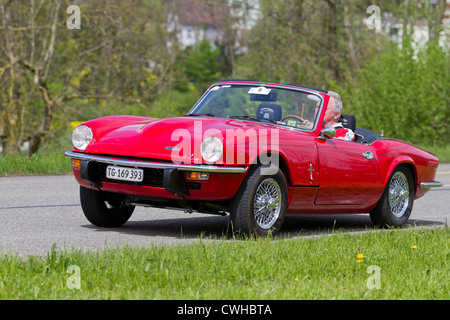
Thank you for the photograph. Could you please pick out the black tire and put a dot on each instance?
(395, 205)
(259, 207)
(104, 209)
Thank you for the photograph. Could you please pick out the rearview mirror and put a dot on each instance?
(327, 132)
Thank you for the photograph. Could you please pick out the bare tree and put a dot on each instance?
(45, 67)
(21, 53)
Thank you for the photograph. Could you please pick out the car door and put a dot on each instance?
(348, 173)
(300, 152)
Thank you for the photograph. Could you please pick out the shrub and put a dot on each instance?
(403, 92)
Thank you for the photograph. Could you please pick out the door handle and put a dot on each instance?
(368, 155)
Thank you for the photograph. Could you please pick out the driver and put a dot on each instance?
(332, 116)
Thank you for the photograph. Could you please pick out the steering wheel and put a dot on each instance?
(293, 120)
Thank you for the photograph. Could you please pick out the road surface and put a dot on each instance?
(39, 212)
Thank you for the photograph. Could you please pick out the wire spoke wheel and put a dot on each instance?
(395, 205)
(260, 205)
(267, 203)
(398, 194)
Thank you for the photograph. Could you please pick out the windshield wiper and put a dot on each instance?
(246, 117)
(243, 117)
(200, 115)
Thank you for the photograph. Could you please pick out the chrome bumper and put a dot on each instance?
(173, 178)
(432, 184)
(154, 165)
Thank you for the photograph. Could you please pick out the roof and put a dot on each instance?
(201, 12)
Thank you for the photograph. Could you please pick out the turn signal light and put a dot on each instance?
(194, 175)
(76, 163)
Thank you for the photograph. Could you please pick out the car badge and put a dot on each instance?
(172, 148)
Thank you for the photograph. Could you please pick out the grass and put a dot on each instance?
(38, 164)
(387, 264)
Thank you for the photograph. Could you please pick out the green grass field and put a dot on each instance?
(386, 264)
(38, 164)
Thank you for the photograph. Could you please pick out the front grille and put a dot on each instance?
(152, 177)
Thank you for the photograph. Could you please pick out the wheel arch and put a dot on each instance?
(256, 163)
(281, 162)
(406, 162)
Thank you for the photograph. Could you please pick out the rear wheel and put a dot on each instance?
(260, 205)
(104, 209)
(395, 205)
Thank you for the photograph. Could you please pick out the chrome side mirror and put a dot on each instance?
(327, 132)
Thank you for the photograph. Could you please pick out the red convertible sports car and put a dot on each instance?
(257, 151)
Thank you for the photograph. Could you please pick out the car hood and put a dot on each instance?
(173, 139)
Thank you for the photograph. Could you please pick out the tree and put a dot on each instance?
(26, 58)
(306, 42)
(202, 65)
(404, 95)
(46, 69)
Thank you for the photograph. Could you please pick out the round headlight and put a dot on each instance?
(81, 137)
(212, 149)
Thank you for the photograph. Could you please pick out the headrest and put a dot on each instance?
(269, 111)
(348, 121)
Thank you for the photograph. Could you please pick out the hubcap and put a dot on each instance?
(267, 203)
(398, 194)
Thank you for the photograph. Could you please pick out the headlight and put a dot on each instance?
(212, 149)
(81, 137)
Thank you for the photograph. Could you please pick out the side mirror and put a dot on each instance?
(327, 132)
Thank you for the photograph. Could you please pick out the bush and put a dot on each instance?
(173, 103)
(403, 92)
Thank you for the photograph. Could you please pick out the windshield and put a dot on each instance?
(281, 106)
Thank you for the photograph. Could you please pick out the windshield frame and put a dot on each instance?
(306, 90)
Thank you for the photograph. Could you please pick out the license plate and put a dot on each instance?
(125, 174)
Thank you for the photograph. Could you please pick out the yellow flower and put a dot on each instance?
(360, 256)
(295, 279)
(413, 247)
(359, 260)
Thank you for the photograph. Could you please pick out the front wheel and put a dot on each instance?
(260, 205)
(395, 205)
(104, 209)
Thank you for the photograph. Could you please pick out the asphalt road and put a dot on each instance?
(39, 212)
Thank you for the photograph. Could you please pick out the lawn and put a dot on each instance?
(380, 264)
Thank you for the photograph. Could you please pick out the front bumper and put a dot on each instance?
(155, 165)
(431, 184)
(165, 176)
